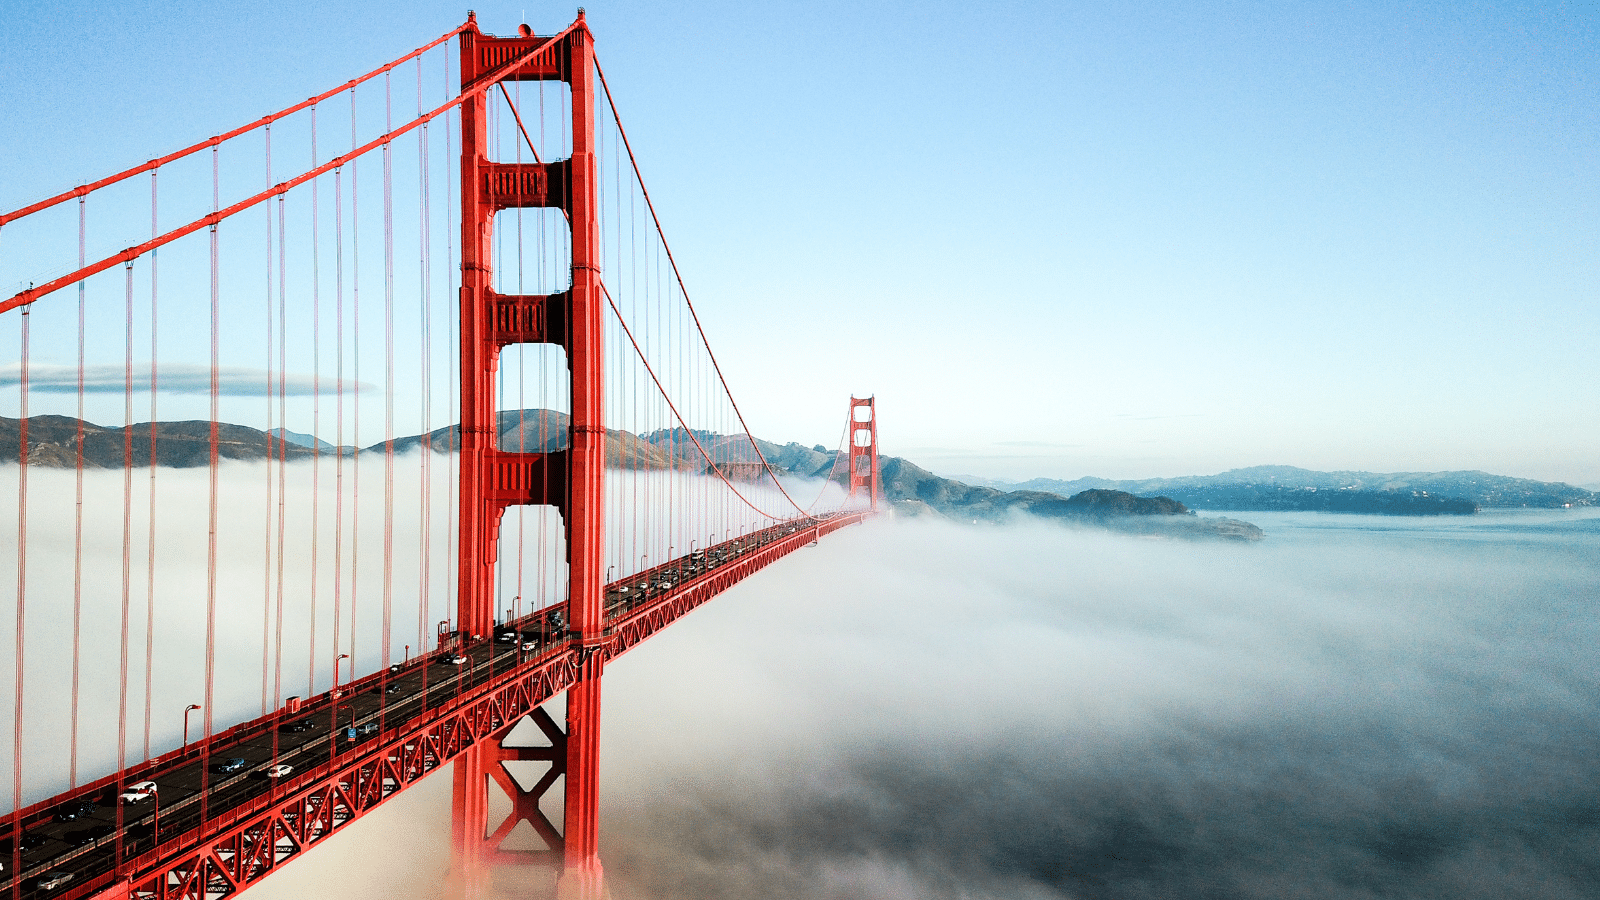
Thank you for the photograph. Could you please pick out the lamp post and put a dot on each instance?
(336, 669)
(186, 710)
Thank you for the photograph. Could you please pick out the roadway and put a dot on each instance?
(193, 790)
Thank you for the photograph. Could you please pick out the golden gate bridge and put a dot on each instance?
(492, 262)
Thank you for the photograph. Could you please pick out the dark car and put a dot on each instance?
(51, 881)
(392, 687)
(30, 841)
(298, 726)
(89, 835)
(72, 809)
(228, 765)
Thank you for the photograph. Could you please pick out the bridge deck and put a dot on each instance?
(221, 831)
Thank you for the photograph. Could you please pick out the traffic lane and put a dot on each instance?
(425, 686)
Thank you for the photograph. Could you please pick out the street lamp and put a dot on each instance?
(186, 710)
(336, 668)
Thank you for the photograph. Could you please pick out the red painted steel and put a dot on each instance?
(864, 450)
(572, 480)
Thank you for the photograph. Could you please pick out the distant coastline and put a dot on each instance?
(1273, 488)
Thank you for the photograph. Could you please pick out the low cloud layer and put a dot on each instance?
(925, 711)
(1354, 708)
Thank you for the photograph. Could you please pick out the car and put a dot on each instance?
(73, 809)
(452, 659)
(89, 835)
(51, 881)
(298, 726)
(228, 765)
(30, 841)
(530, 646)
(506, 637)
(357, 732)
(131, 795)
(277, 771)
(397, 667)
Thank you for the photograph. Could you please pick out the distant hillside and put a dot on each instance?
(912, 487)
(52, 441)
(1287, 487)
(545, 431)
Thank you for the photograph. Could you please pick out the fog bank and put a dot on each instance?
(1355, 708)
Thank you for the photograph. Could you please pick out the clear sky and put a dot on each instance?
(1054, 239)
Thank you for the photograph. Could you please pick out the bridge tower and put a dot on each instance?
(864, 450)
(569, 479)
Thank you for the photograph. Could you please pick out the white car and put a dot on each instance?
(137, 792)
(453, 659)
(277, 771)
(50, 881)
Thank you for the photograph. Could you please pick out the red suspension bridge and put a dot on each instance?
(550, 469)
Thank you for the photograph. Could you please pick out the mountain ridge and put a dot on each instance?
(1275, 487)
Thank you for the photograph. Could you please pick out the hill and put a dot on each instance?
(915, 490)
(1288, 487)
(910, 488)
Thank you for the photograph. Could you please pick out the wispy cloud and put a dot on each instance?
(175, 378)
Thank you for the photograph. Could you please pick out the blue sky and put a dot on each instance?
(1117, 239)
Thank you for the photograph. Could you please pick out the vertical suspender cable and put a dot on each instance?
(283, 449)
(21, 644)
(338, 407)
(211, 521)
(425, 375)
(150, 562)
(316, 413)
(127, 550)
(355, 425)
(266, 531)
(77, 529)
(451, 324)
(388, 378)
(522, 425)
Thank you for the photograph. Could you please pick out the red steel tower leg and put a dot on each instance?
(571, 479)
(864, 450)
